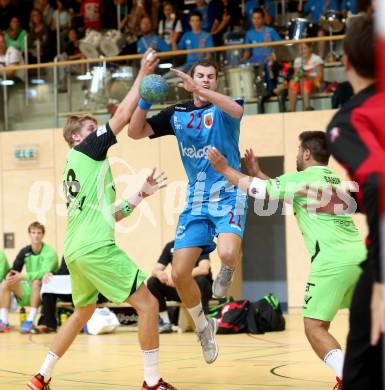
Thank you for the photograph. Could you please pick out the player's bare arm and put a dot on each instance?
(219, 100)
(149, 187)
(243, 182)
(127, 107)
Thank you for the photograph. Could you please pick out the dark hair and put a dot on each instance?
(195, 13)
(259, 11)
(36, 225)
(359, 46)
(206, 64)
(315, 142)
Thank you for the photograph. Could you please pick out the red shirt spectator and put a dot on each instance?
(92, 12)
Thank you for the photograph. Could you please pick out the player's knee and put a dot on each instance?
(228, 256)
(180, 276)
(83, 314)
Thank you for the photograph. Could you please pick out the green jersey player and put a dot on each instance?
(333, 242)
(95, 263)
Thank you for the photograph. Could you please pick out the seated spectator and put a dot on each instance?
(15, 34)
(10, 56)
(227, 19)
(308, 77)
(207, 14)
(92, 11)
(39, 33)
(149, 39)
(46, 10)
(38, 258)
(194, 39)
(162, 286)
(48, 319)
(349, 7)
(61, 14)
(249, 6)
(170, 27)
(7, 11)
(71, 52)
(260, 34)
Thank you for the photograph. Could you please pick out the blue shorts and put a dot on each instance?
(199, 225)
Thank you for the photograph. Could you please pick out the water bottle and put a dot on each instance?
(23, 315)
(63, 317)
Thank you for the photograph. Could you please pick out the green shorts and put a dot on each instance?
(25, 299)
(328, 291)
(107, 270)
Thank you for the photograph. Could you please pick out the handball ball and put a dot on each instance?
(153, 89)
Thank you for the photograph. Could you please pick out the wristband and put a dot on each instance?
(144, 105)
(125, 208)
(135, 199)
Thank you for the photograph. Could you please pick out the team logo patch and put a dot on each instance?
(208, 120)
(335, 133)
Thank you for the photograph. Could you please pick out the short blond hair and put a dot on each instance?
(74, 124)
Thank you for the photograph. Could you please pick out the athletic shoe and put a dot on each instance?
(26, 327)
(4, 327)
(223, 281)
(37, 383)
(207, 339)
(161, 385)
(338, 385)
(165, 327)
(42, 329)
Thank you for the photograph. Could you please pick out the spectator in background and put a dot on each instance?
(308, 77)
(227, 19)
(92, 14)
(7, 11)
(194, 39)
(249, 6)
(149, 39)
(39, 33)
(62, 16)
(155, 12)
(46, 10)
(207, 14)
(170, 27)
(162, 286)
(317, 8)
(39, 258)
(9, 56)
(130, 24)
(15, 34)
(349, 7)
(259, 34)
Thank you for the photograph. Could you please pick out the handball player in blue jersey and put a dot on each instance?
(214, 207)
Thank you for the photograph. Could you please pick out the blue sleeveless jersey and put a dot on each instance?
(197, 129)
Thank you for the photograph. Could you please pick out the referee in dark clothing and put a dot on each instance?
(357, 141)
(162, 287)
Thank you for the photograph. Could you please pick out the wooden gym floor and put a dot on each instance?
(282, 360)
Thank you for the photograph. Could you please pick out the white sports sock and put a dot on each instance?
(32, 314)
(198, 317)
(4, 315)
(335, 360)
(164, 317)
(151, 366)
(48, 365)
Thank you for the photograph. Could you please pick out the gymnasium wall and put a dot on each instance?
(31, 190)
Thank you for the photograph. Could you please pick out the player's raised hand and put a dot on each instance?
(187, 82)
(153, 184)
(252, 164)
(149, 61)
(217, 160)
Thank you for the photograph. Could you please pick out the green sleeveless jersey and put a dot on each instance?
(89, 189)
(331, 240)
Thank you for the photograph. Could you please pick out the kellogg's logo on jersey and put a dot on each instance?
(208, 120)
(193, 152)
